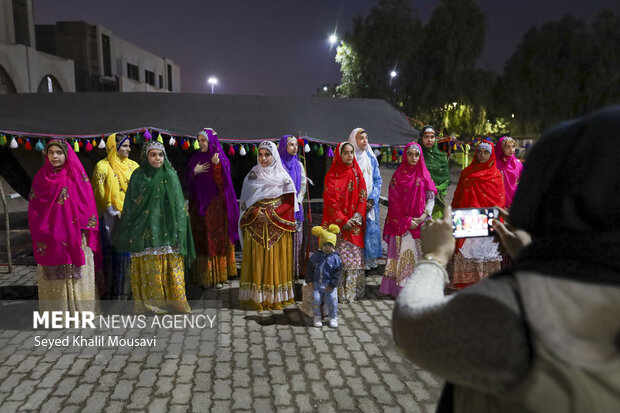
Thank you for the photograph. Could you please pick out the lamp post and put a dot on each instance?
(212, 81)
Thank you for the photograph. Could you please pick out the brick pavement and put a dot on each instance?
(264, 362)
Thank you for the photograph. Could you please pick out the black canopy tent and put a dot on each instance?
(236, 119)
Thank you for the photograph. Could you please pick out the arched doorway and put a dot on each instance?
(6, 84)
(49, 84)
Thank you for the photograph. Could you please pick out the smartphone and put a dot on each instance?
(473, 222)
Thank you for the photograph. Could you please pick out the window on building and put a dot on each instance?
(170, 78)
(132, 72)
(20, 22)
(107, 59)
(49, 84)
(161, 82)
(149, 77)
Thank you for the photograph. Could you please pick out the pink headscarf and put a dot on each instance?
(62, 204)
(511, 169)
(407, 195)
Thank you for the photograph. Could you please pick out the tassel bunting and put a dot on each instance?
(160, 139)
(306, 148)
(242, 151)
(89, 146)
(172, 141)
(13, 144)
(28, 146)
(76, 147)
(330, 152)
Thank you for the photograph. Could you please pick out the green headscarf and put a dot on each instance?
(154, 213)
(437, 164)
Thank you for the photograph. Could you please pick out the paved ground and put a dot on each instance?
(263, 362)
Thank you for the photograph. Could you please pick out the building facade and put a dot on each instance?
(105, 62)
(23, 68)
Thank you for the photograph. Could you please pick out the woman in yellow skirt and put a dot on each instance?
(268, 222)
(155, 229)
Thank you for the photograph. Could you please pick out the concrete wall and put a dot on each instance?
(27, 67)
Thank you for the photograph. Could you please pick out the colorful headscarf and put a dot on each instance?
(267, 182)
(437, 164)
(62, 205)
(154, 214)
(481, 184)
(116, 179)
(510, 167)
(202, 187)
(344, 195)
(363, 157)
(293, 167)
(407, 195)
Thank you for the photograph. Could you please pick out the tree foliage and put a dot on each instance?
(561, 70)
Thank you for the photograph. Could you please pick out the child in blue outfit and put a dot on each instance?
(323, 273)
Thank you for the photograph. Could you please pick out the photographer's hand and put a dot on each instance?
(512, 239)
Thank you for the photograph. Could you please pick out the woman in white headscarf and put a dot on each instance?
(369, 165)
(268, 222)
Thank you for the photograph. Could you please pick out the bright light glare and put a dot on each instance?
(325, 88)
(393, 73)
(212, 81)
(333, 39)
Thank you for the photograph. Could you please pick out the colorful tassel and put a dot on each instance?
(306, 148)
(2, 140)
(76, 147)
(80, 143)
(320, 150)
(89, 146)
(196, 145)
(160, 139)
(330, 152)
(39, 146)
(28, 146)
(101, 144)
(242, 151)
(254, 150)
(172, 141)
(147, 135)
(231, 151)
(20, 140)
(186, 145)
(13, 144)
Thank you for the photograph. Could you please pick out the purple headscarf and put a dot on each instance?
(202, 187)
(511, 169)
(293, 167)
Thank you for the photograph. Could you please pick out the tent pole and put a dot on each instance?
(8, 229)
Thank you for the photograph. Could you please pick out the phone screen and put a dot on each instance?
(473, 222)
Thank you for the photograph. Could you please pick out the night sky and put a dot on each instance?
(280, 47)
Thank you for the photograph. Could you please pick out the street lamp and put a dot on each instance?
(212, 81)
(324, 88)
(333, 39)
(393, 74)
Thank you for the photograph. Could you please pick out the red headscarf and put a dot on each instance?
(481, 184)
(62, 205)
(407, 195)
(344, 195)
